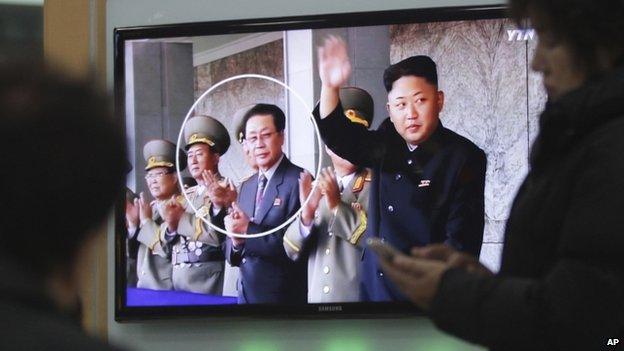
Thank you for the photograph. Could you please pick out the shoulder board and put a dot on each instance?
(360, 180)
(358, 184)
(368, 175)
(191, 189)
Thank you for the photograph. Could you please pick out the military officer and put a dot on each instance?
(198, 259)
(154, 268)
(336, 223)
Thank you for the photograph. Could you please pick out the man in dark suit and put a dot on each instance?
(265, 201)
(428, 181)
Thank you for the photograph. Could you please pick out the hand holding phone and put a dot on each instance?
(384, 250)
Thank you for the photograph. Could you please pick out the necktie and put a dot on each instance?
(260, 194)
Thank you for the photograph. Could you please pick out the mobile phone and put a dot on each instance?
(382, 248)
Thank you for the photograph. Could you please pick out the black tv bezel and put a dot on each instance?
(336, 20)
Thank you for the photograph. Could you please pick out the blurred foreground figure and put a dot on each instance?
(62, 168)
(561, 282)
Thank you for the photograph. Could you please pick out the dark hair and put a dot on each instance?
(587, 27)
(63, 166)
(419, 66)
(279, 119)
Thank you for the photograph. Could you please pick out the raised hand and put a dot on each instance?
(145, 210)
(334, 64)
(329, 187)
(305, 188)
(132, 213)
(172, 213)
(236, 222)
(220, 193)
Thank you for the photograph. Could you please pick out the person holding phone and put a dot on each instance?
(561, 281)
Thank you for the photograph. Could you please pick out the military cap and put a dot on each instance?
(240, 132)
(162, 153)
(206, 130)
(357, 105)
(239, 123)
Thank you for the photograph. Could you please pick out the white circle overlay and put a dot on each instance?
(318, 168)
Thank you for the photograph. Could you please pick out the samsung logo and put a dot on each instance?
(520, 34)
(332, 308)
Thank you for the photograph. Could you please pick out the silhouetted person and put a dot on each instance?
(63, 166)
(561, 282)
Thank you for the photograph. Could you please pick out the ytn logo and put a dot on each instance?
(613, 342)
(520, 34)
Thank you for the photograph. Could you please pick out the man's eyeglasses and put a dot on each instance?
(156, 175)
(253, 139)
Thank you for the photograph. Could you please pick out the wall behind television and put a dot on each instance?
(234, 334)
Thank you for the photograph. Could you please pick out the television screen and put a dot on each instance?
(222, 141)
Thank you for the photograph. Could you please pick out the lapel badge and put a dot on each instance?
(277, 201)
(424, 183)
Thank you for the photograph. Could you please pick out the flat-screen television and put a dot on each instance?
(165, 75)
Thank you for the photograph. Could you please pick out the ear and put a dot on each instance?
(281, 136)
(440, 100)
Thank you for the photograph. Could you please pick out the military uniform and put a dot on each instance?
(154, 254)
(154, 269)
(334, 263)
(198, 259)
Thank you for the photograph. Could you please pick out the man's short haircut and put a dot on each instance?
(418, 66)
(279, 119)
(63, 166)
(589, 28)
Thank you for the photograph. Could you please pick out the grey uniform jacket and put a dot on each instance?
(154, 255)
(198, 259)
(334, 258)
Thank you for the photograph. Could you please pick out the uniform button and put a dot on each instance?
(198, 252)
(390, 208)
(326, 251)
(142, 272)
(397, 177)
(380, 273)
(409, 162)
(244, 260)
(326, 270)
(330, 233)
(191, 245)
(326, 289)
